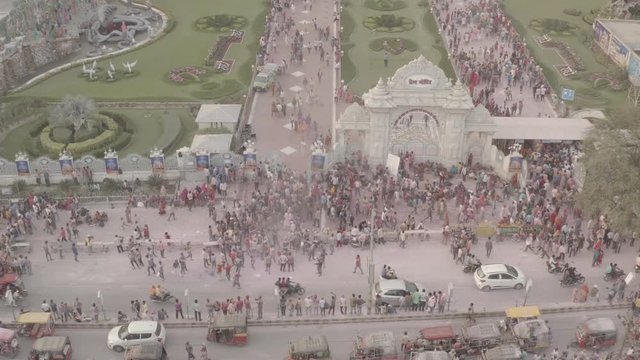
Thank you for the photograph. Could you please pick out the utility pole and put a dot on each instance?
(371, 265)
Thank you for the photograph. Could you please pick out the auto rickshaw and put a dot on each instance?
(434, 338)
(310, 347)
(520, 313)
(51, 348)
(13, 281)
(9, 345)
(35, 324)
(375, 346)
(481, 336)
(228, 329)
(148, 351)
(532, 335)
(503, 352)
(597, 333)
(430, 355)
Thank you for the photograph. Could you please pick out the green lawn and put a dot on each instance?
(522, 12)
(183, 46)
(370, 64)
(15, 141)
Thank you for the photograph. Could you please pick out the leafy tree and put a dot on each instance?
(612, 169)
(73, 110)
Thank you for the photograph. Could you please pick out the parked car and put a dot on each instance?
(265, 77)
(499, 276)
(393, 291)
(134, 333)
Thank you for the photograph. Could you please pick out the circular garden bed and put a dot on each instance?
(388, 23)
(187, 75)
(220, 23)
(104, 132)
(385, 5)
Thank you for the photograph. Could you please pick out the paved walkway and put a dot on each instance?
(275, 134)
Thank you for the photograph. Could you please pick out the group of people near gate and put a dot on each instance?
(503, 64)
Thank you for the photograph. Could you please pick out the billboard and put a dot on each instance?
(157, 164)
(202, 161)
(515, 164)
(23, 167)
(634, 69)
(66, 166)
(601, 35)
(618, 52)
(317, 161)
(111, 164)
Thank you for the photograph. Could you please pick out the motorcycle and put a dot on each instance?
(572, 280)
(469, 268)
(122, 317)
(614, 275)
(293, 289)
(557, 268)
(357, 241)
(165, 297)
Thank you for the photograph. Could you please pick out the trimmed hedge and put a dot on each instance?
(120, 119)
(86, 146)
(61, 134)
(120, 142)
(103, 140)
(37, 126)
(49, 145)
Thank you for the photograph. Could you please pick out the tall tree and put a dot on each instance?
(73, 110)
(612, 169)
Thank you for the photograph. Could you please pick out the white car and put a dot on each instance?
(134, 333)
(393, 291)
(499, 276)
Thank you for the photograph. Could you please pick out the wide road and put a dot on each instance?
(271, 342)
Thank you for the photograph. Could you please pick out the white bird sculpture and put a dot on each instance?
(91, 72)
(85, 69)
(94, 64)
(113, 68)
(110, 74)
(130, 65)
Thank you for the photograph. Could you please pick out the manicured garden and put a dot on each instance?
(173, 68)
(403, 30)
(597, 81)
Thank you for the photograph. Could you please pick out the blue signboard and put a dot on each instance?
(568, 94)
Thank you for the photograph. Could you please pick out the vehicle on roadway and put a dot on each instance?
(135, 333)
(228, 329)
(35, 324)
(51, 348)
(392, 292)
(430, 355)
(499, 276)
(504, 352)
(148, 351)
(310, 347)
(375, 346)
(597, 333)
(9, 344)
(532, 335)
(481, 336)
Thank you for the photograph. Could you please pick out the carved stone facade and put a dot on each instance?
(20, 61)
(418, 110)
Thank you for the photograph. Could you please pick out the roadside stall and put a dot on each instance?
(375, 346)
(35, 324)
(148, 351)
(51, 348)
(311, 347)
(228, 329)
(9, 345)
(503, 352)
(481, 336)
(597, 333)
(532, 335)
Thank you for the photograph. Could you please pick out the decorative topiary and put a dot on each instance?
(388, 23)
(393, 45)
(187, 74)
(555, 27)
(220, 23)
(572, 12)
(385, 5)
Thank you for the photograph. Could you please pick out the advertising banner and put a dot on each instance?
(202, 161)
(157, 164)
(515, 164)
(317, 161)
(66, 166)
(618, 52)
(393, 164)
(23, 167)
(634, 69)
(601, 35)
(250, 160)
(111, 164)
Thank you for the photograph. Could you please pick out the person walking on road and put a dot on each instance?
(47, 251)
(358, 265)
(189, 349)
(259, 303)
(489, 246)
(74, 250)
(203, 352)
(197, 314)
(179, 310)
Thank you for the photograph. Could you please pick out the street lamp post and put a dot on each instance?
(104, 313)
(371, 265)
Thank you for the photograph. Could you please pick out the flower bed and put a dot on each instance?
(186, 74)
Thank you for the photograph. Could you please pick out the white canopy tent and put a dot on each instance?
(218, 115)
(533, 128)
(213, 143)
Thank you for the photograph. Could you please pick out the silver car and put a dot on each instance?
(393, 291)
